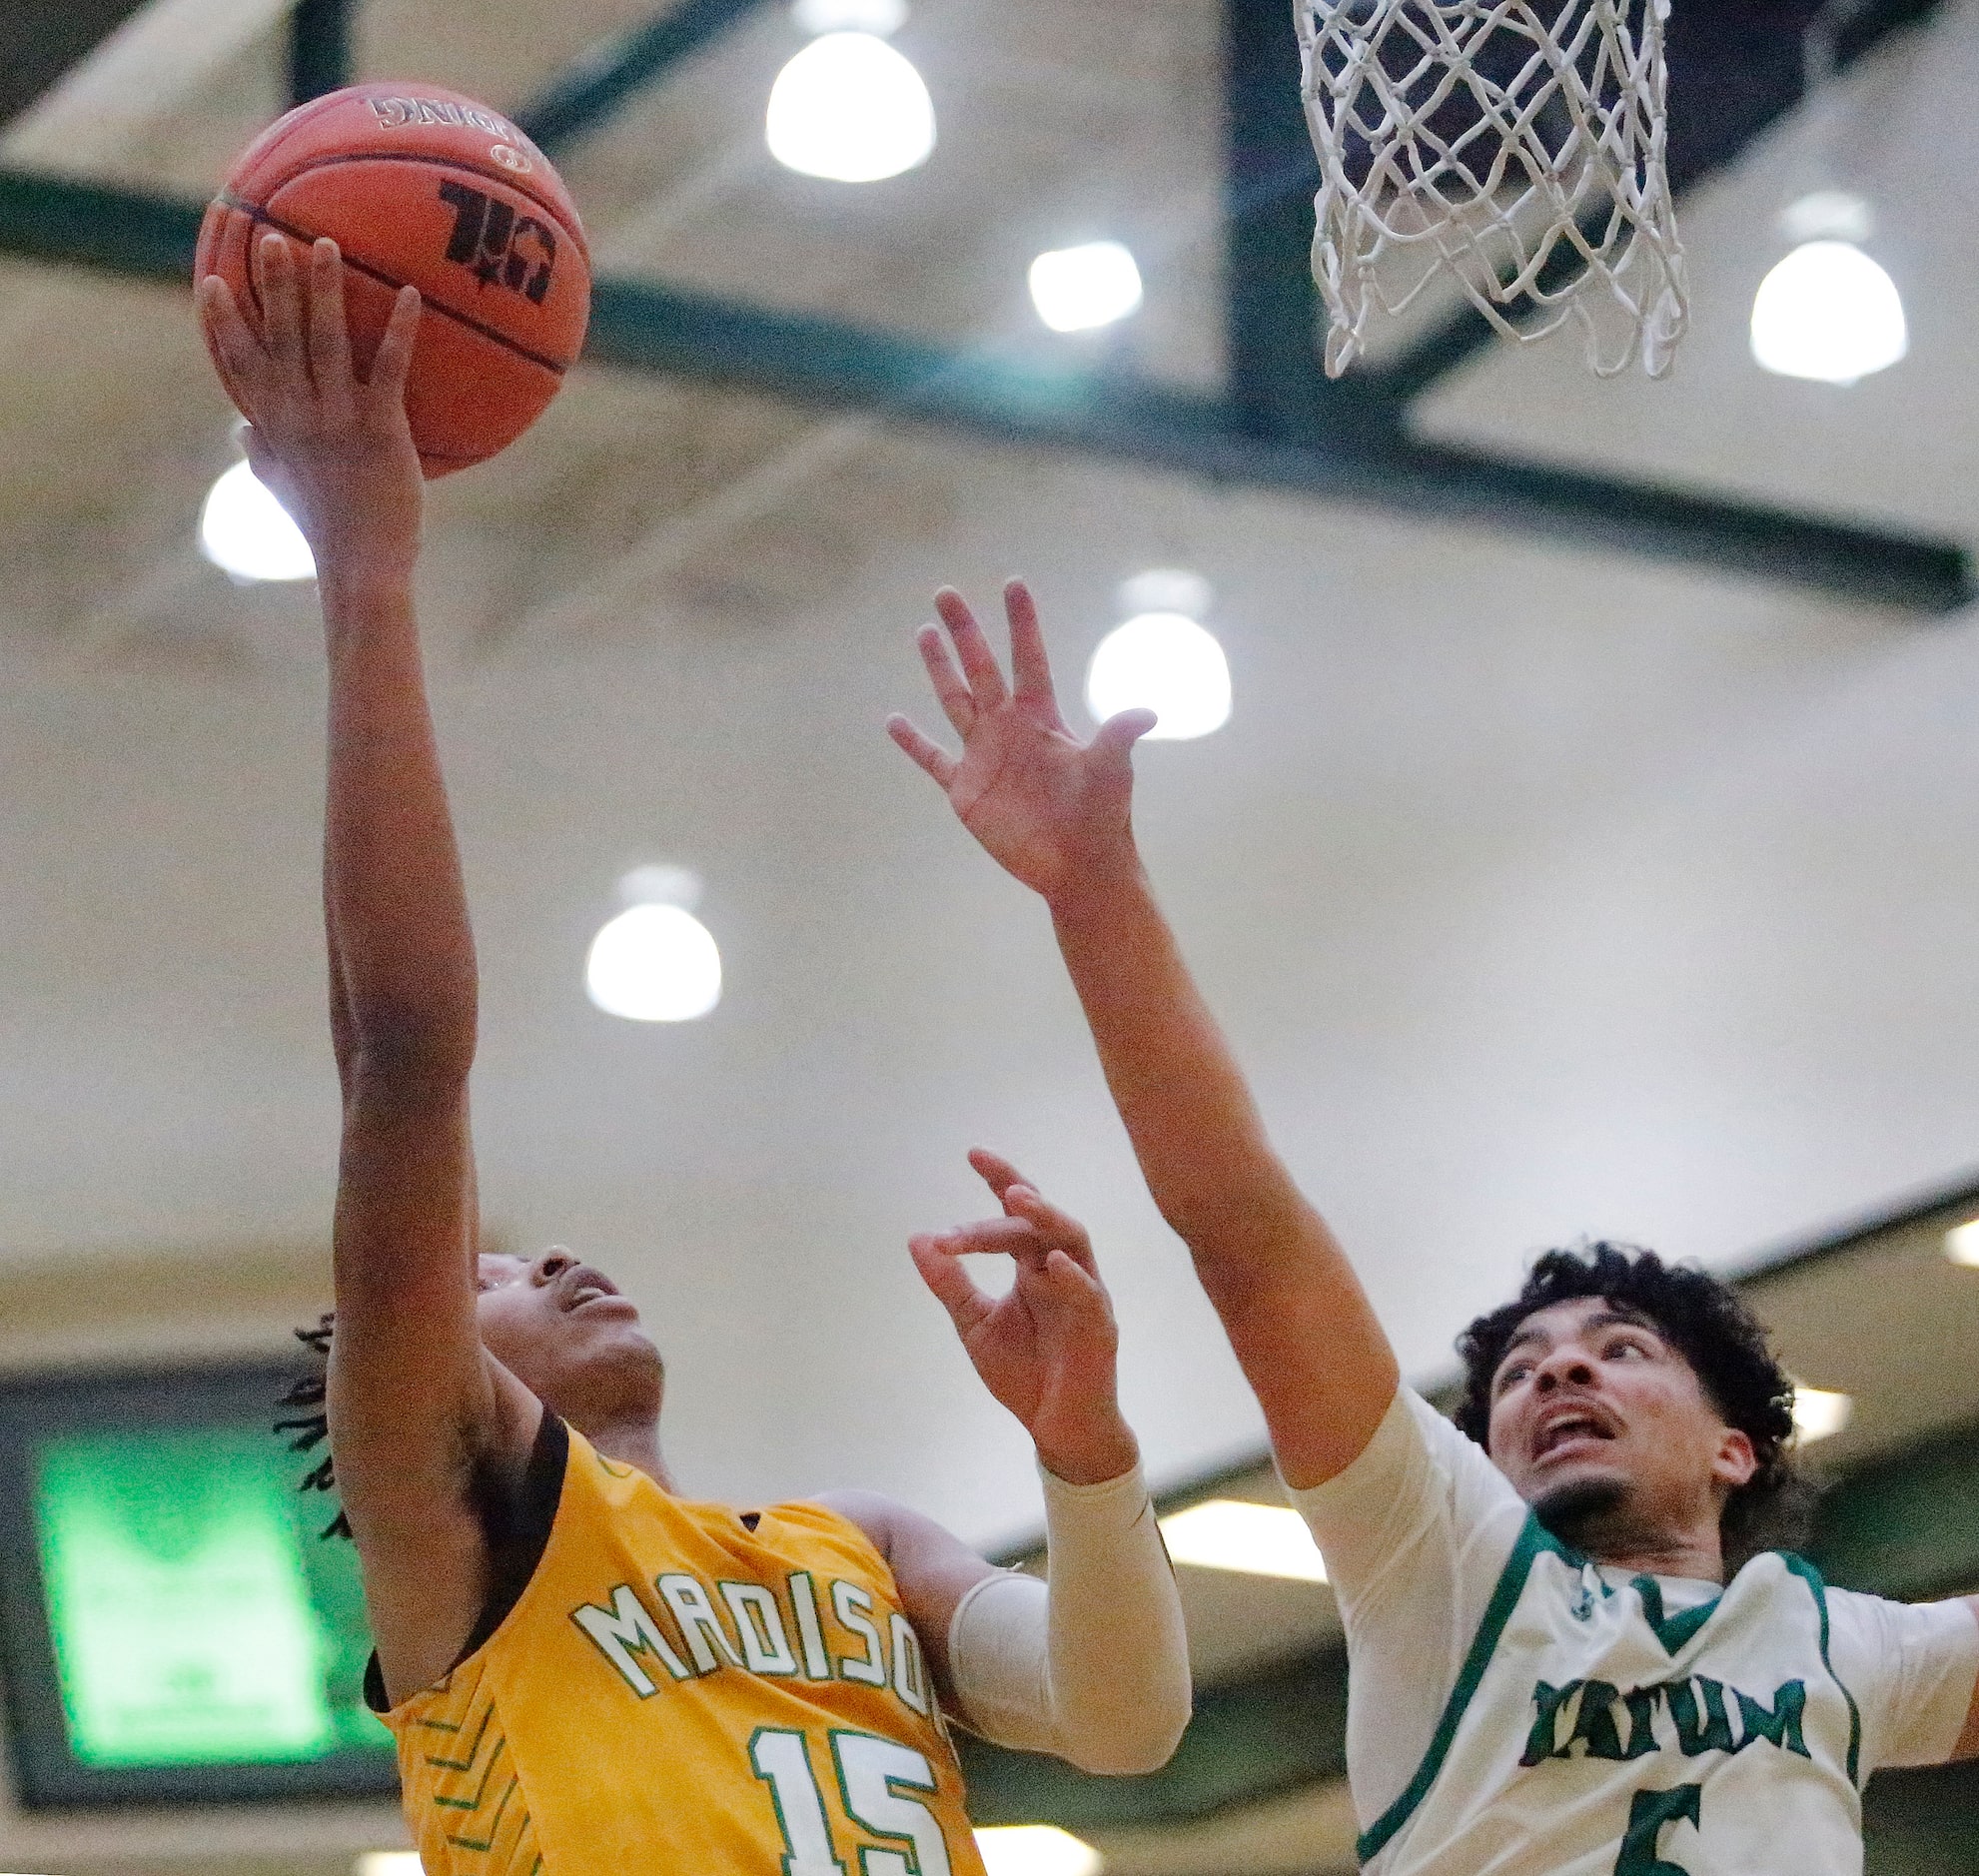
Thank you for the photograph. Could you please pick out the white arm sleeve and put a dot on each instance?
(1094, 1666)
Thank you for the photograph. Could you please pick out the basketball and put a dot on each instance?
(423, 187)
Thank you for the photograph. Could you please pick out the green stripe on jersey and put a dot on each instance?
(1532, 1539)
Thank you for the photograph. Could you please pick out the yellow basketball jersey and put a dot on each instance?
(676, 1693)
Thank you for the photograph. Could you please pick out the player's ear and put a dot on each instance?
(1735, 1461)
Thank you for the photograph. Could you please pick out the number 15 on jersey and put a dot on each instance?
(878, 1781)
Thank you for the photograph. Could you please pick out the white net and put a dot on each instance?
(1516, 145)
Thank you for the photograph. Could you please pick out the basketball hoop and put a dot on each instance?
(1517, 146)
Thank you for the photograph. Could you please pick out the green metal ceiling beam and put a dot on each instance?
(41, 40)
(319, 49)
(603, 78)
(1361, 455)
(1907, 1526)
(116, 231)
(1272, 308)
(1358, 452)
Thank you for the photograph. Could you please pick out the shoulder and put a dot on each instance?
(1901, 1628)
(1422, 1519)
(1416, 1457)
(901, 1534)
(1912, 1666)
(931, 1567)
(1877, 1646)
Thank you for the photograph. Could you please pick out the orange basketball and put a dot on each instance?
(421, 185)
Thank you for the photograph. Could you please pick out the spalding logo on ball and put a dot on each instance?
(423, 186)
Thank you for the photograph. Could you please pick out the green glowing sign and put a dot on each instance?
(196, 1617)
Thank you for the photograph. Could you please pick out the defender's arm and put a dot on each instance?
(1055, 813)
(1968, 1739)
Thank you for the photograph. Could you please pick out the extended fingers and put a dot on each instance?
(1073, 1280)
(1030, 666)
(1115, 739)
(1059, 1228)
(394, 360)
(986, 686)
(922, 751)
(1023, 1203)
(330, 332)
(994, 1170)
(281, 310)
(950, 689)
(1063, 1295)
(994, 1237)
(240, 351)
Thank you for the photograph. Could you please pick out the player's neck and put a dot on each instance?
(633, 1441)
(1697, 1554)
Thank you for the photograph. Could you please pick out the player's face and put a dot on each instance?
(563, 1330)
(1605, 1429)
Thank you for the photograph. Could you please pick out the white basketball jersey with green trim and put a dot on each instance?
(1591, 1726)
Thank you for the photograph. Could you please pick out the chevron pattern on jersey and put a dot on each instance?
(476, 1820)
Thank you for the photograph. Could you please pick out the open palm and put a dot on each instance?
(1047, 807)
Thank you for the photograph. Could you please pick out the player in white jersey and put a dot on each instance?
(1568, 1650)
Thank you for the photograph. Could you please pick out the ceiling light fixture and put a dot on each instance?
(1162, 659)
(1820, 1414)
(882, 18)
(1035, 1850)
(1827, 311)
(1255, 1540)
(655, 962)
(849, 107)
(1077, 290)
(248, 534)
(1962, 1243)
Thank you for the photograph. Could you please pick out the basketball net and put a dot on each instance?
(1517, 146)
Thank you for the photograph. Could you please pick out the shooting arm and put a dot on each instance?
(414, 1405)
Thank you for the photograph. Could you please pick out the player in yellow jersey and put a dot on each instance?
(588, 1674)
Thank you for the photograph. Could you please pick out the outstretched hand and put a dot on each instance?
(334, 448)
(1046, 1348)
(1051, 809)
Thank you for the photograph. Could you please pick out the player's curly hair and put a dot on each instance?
(312, 1428)
(1712, 1328)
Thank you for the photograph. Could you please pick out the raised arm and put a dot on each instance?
(417, 1411)
(1093, 1666)
(1055, 812)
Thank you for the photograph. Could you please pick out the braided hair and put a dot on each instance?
(312, 1428)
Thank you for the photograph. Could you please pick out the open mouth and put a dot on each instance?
(583, 1286)
(1568, 1428)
